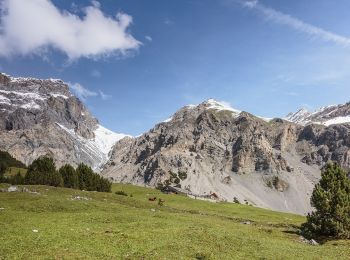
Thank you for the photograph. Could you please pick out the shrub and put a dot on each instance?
(235, 200)
(182, 175)
(122, 193)
(331, 199)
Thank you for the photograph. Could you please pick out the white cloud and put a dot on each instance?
(167, 21)
(95, 73)
(35, 26)
(295, 23)
(104, 96)
(82, 92)
(148, 38)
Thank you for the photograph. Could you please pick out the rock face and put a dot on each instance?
(41, 117)
(232, 154)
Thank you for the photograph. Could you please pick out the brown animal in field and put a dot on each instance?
(152, 199)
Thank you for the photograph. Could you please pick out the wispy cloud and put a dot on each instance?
(81, 92)
(148, 38)
(104, 96)
(96, 73)
(295, 23)
(167, 21)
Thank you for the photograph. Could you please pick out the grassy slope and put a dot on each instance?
(111, 226)
(12, 171)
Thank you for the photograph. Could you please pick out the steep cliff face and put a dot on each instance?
(269, 163)
(42, 117)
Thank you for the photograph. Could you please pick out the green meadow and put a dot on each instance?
(60, 223)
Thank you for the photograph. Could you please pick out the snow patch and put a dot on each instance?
(168, 120)
(337, 120)
(100, 146)
(5, 100)
(56, 95)
(30, 105)
(24, 94)
(105, 139)
(213, 104)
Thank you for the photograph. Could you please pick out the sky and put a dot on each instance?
(135, 62)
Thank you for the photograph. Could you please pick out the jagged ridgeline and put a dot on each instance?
(237, 156)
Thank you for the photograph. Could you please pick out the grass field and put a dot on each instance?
(110, 226)
(12, 171)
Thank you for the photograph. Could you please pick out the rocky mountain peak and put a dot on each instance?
(42, 116)
(271, 163)
(26, 102)
(327, 115)
(298, 116)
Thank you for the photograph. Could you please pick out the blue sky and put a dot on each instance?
(267, 57)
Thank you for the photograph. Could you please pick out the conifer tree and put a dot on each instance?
(331, 200)
(43, 171)
(70, 177)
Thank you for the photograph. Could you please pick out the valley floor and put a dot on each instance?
(58, 223)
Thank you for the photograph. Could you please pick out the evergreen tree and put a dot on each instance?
(43, 171)
(3, 168)
(331, 199)
(70, 177)
(88, 180)
(85, 175)
(18, 179)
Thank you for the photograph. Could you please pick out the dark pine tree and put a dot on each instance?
(70, 177)
(43, 171)
(331, 199)
(91, 181)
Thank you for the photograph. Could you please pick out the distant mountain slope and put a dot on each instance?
(269, 163)
(8, 161)
(42, 117)
(329, 115)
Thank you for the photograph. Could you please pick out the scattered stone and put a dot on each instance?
(307, 241)
(246, 222)
(153, 210)
(313, 242)
(2, 208)
(12, 189)
(80, 198)
(35, 230)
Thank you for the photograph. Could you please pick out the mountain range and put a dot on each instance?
(218, 151)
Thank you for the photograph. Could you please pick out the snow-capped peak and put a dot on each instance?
(220, 105)
(298, 116)
(327, 115)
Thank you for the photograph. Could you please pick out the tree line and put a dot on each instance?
(42, 171)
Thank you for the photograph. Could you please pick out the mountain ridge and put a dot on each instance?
(271, 163)
(42, 117)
